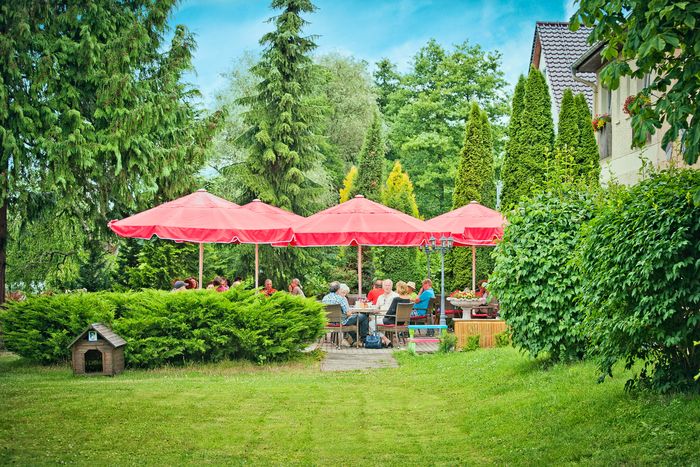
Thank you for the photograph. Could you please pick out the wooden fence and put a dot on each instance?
(485, 328)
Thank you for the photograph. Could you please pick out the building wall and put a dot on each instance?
(625, 162)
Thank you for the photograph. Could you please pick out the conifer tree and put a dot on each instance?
(568, 130)
(511, 156)
(587, 154)
(474, 182)
(283, 166)
(534, 139)
(371, 163)
(348, 184)
(398, 263)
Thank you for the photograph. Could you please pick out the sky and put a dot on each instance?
(366, 29)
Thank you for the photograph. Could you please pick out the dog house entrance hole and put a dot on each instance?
(93, 361)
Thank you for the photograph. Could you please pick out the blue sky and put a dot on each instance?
(367, 29)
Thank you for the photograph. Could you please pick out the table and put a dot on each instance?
(371, 311)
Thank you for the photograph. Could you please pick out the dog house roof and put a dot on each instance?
(107, 334)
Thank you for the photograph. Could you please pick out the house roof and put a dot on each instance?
(590, 61)
(107, 334)
(561, 48)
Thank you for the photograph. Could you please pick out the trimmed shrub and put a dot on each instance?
(472, 343)
(641, 260)
(502, 339)
(535, 278)
(167, 328)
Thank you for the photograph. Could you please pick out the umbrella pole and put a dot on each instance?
(359, 270)
(201, 263)
(257, 265)
(473, 268)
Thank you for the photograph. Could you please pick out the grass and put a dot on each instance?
(485, 407)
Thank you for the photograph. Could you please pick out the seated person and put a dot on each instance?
(223, 284)
(384, 300)
(374, 294)
(336, 296)
(402, 296)
(423, 299)
(295, 288)
(412, 290)
(179, 286)
(268, 289)
(237, 281)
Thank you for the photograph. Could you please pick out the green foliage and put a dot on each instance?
(641, 261)
(512, 149)
(398, 263)
(472, 343)
(502, 339)
(448, 342)
(535, 278)
(283, 164)
(371, 163)
(587, 154)
(387, 80)
(661, 39)
(348, 185)
(568, 130)
(94, 118)
(534, 138)
(158, 263)
(429, 108)
(164, 328)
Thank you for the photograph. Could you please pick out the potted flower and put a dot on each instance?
(600, 121)
(635, 103)
(465, 300)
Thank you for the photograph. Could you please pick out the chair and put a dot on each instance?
(335, 324)
(353, 297)
(429, 317)
(403, 316)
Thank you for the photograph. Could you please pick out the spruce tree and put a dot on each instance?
(511, 156)
(398, 263)
(348, 184)
(587, 154)
(568, 129)
(371, 163)
(534, 139)
(283, 139)
(474, 182)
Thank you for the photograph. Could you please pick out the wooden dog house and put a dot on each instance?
(98, 351)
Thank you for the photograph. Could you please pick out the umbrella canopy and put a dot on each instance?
(286, 217)
(203, 218)
(360, 221)
(470, 225)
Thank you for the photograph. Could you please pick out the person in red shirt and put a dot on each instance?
(374, 294)
(268, 290)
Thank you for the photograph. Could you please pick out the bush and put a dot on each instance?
(472, 343)
(535, 278)
(163, 327)
(448, 342)
(641, 261)
(502, 339)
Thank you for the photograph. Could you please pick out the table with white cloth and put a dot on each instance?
(370, 311)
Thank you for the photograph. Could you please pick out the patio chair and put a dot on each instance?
(335, 324)
(403, 316)
(428, 318)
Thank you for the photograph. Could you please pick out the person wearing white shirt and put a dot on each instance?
(385, 299)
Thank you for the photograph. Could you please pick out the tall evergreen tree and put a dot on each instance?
(371, 163)
(474, 182)
(283, 166)
(387, 80)
(568, 129)
(396, 262)
(94, 117)
(587, 154)
(348, 184)
(533, 140)
(511, 156)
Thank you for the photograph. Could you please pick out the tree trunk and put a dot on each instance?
(3, 249)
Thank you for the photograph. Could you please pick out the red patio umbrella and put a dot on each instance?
(202, 218)
(471, 225)
(286, 217)
(360, 221)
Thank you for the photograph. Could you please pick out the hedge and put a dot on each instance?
(167, 328)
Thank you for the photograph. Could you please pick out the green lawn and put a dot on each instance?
(488, 406)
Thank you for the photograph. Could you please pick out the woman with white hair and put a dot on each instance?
(337, 295)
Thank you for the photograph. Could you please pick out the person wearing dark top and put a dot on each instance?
(404, 297)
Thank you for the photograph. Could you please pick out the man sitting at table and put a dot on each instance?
(384, 300)
(424, 295)
(336, 296)
(268, 289)
(374, 294)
